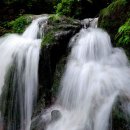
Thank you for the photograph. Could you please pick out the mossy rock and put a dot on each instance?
(57, 26)
(56, 18)
(57, 33)
(49, 38)
(112, 17)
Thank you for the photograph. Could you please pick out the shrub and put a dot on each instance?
(73, 8)
(123, 35)
(18, 25)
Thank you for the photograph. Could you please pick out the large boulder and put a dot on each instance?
(114, 16)
(57, 34)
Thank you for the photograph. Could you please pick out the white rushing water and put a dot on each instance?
(96, 76)
(19, 58)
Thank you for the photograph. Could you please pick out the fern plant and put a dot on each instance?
(123, 35)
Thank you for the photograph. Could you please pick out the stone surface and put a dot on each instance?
(58, 32)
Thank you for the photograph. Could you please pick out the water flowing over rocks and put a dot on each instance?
(90, 87)
(19, 76)
(87, 65)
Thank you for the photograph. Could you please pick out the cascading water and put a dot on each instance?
(19, 58)
(96, 75)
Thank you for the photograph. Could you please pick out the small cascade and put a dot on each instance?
(19, 60)
(89, 22)
(96, 75)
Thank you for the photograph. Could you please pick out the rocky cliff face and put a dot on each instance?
(58, 32)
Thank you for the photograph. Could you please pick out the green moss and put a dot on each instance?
(18, 25)
(56, 19)
(56, 23)
(116, 5)
(112, 17)
(48, 38)
(108, 12)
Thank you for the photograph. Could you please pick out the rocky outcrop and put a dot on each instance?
(58, 32)
(114, 16)
(54, 50)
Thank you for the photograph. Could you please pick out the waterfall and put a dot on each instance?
(96, 75)
(19, 58)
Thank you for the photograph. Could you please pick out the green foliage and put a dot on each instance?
(68, 8)
(18, 25)
(112, 17)
(55, 18)
(123, 35)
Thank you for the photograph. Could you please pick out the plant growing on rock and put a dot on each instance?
(123, 35)
(18, 25)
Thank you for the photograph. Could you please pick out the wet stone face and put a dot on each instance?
(55, 115)
(42, 121)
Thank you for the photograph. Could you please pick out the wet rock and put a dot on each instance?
(55, 115)
(89, 22)
(57, 35)
(41, 121)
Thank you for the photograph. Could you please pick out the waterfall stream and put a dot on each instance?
(19, 58)
(96, 75)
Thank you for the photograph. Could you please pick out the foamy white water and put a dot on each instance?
(19, 58)
(96, 75)
(90, 22)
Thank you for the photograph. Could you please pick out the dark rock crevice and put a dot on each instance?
(50, 55)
